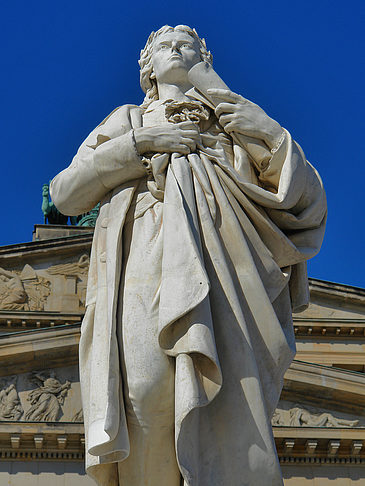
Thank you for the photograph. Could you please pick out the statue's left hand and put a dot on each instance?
(237, 114)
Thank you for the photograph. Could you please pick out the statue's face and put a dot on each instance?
(174, 53)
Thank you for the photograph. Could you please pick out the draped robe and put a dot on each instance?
(236, 237)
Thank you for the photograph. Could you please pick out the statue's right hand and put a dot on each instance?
(167, 138)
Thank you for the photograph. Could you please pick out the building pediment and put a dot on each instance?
(320, 416)
(41, 277)
(325, 387)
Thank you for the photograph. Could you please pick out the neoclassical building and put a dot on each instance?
(319, 424)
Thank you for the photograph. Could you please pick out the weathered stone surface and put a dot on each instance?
(53, 343)
(39, 349)
(50, 231)
(296, 415)
(10, 405)
(48, 275)
(51, 395)
(208, 213)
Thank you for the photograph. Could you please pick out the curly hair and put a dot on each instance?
(148, 85)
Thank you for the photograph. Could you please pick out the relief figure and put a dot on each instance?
(46, 400)
(12, 293)
(10, 406)
(77, 269)
(23, 291)
(78, 417)
(301, 417)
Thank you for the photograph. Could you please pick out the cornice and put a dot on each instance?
(39, 349)
(10, 254)
(42, 441)
(66, 441)
(320, 445)
(344, 390)
(12, 321)
(334, 328)
(333, 290)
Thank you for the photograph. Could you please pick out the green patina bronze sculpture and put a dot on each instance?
(53, 216)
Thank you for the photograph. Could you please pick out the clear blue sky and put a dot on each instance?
(66, 65)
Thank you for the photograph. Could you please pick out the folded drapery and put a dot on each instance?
(235, 242)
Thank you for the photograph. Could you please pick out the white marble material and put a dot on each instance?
(198, 259)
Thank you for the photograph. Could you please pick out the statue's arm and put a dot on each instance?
(269, 175)
(262, 137)
(105, 160)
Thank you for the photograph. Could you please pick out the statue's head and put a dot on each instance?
(45, 190)
(192, 49)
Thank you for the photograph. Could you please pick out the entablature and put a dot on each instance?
(42, 441)
(11, 321)
(39, 349)
(320, 445)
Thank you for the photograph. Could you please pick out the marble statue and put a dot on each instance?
(209, 211)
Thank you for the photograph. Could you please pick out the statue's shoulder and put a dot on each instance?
(122, 114)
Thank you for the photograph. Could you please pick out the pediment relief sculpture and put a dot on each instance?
(78, 269)
(78, 417)
(69, 280)
(10, 406)
(24, 290)
(300, 417)
(12, 292)
(46, 400)
(60, 287)
(51, 395)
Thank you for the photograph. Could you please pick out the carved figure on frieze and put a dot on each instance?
(278, 418)
(46, 400)
(12, 292)
(36, 287)
(300, 417)
(70, 281)
(78, 417)
(79, 268)
(10, 406)
(23, 291)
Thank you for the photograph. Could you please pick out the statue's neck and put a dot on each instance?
(173, 92)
